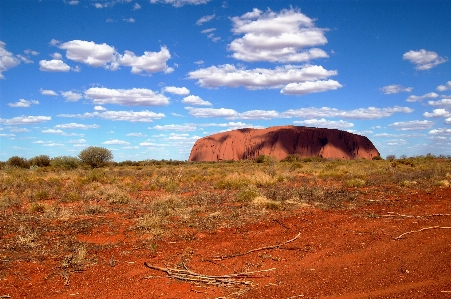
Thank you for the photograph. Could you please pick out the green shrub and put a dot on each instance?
(264, 159)
(16, 161)
(41, 161)
(42, 195)
(292, 158)
(95, 156)
(355, 183)
(65, 162)
(36, 207)
(247, 194)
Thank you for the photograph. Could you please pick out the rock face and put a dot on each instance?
(282, 141)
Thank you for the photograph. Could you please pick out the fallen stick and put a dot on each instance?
(188, 275)
(414, 216)
(223, 257)
(420, 230)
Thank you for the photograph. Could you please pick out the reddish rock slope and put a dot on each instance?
(281, 142)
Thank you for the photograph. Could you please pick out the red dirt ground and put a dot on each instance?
(349, 253)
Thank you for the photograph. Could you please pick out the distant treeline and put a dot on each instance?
(70, 162)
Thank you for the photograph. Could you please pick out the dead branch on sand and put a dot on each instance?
(230, 279)
(413, 216)
(223, 257)
(417, 231)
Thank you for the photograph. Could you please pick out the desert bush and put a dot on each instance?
(71, 196)
(111, 193)
(41, 161)
(95, 175)
(41, 195)
(9, 201)
(390, 157)
(264, 159)
(65, 162)
(442, 183)
(151, 223)
(377, 158)
(16, 161)
(167, 205)
(37, 207)
(247, 194)
(267, 203)
(355, 183)
(95, 156)
(292, 158)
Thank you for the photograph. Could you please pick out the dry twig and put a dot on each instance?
(223, 257)
(417, 231)
(188, 275)
(414, 216)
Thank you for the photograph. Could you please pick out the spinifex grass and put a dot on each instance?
(176, 201)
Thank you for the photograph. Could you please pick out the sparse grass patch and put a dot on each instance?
(442, 183)
(354, 183)
(27, 237)
(151, 223)
(37, 207)
(42, 195)
(267, 203)
(247, 194)
(9, 201)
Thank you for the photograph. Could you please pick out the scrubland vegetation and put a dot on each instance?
(160, 200)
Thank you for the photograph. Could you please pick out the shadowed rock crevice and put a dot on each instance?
(282, 141)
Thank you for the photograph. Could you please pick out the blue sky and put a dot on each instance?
(146, 79)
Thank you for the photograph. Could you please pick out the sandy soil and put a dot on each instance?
(346, 253)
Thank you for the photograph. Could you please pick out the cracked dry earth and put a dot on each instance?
(392, 248)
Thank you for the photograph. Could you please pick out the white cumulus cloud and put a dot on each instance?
(277, 37)
(430, 95)
(323, 123)
(177, 90)
(130, 116)
(150, 62)
(413, 125)
(195, 100)
(116, 142)
(259, 78)
(259, 114)
(77, 126)
(25, 120)
(423, 59)
(23, 103)
(211, 112)
(440, 131)
(205, 19)
(180, 3)
(53, 65)
(445, 87)
(310, 87)
(47, 92)
(72, 96)
(173, 127)
(360, 113)
(90, 53)
(395, 88)
(126, 97)
(441, 103)
(441, 112)
(7, 60)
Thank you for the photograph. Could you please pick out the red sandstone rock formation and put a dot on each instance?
(282, 141)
